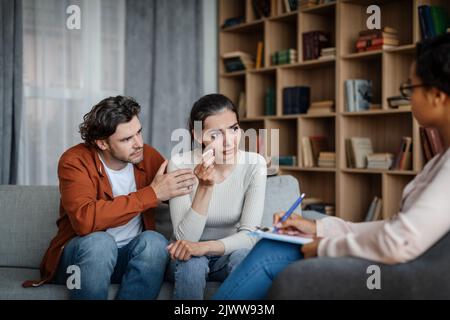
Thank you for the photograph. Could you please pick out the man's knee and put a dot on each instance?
(97, 244)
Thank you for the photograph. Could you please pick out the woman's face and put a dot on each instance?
(222, 133)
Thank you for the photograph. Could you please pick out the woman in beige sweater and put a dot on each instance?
(211, 224)
(424, 215)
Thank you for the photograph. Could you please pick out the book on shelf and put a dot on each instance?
(270, 102)
(261, 8)
(234, 21)
(321, 107)
(357, 150)
(377, 39)
(242, 108)
(318, 145)
(432, 143)
(328, 53)
(237, 61)
(381, 161)
(327, 160)
(374, 211)
(289, 160)
(310, 200)
(399, 102)
(314, 42)
(403, 160)
(284, 57)
(358, 95)
(290, 5)
(296, 100)
(433, 20)
(307, 155)
(259, 55)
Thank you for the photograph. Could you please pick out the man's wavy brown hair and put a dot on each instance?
(102, 121)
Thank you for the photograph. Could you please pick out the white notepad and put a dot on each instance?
(281, 237)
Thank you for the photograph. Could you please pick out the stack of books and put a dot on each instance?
(284, 57)
(270, 102)
(377, 39)
(327, 160)
(432, 143)
(357, 149)
(374, 212)
(358, 95)
(382, 161)
(328, 53)
(399, 102)
(237, 61)
(321, 107)
(404, 155)
(314, 42)
(296, 100)
(433, 20)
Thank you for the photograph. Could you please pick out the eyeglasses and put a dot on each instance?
(406, 89)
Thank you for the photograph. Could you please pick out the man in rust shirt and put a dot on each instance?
(109, 185)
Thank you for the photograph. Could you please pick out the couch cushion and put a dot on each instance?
(11, 288)
(27, 223)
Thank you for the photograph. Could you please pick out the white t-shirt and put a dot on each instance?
(123, 183)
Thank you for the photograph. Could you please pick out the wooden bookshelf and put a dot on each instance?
(351, 190)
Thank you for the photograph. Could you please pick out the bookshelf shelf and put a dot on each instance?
(374, 171)
(314, 169)
(364, 55)
(350, 190)
(376, 112)
(233, 74)
(253, 26)
(321, 8)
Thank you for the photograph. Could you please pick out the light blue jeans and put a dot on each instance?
(189, 277)
(138, 267)
(254, 276)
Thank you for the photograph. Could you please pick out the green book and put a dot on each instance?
(440, 19)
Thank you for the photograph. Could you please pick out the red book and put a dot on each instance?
(425, 144)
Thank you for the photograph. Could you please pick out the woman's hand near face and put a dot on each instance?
(204, 171)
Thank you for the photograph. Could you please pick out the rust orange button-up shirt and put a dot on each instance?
(87, 204)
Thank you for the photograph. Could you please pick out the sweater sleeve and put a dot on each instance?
(252, 211)
(405, 237)
(187, 223)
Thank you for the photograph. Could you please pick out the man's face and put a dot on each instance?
(126, 143)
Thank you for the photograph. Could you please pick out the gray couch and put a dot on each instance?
(27, 224)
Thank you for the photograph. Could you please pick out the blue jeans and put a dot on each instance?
(138, 267)
(254, 276)
(189, 277)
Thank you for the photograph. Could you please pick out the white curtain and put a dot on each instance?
(65, 73)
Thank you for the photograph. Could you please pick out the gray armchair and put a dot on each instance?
(426, 277)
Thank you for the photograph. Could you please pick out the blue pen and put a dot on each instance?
(291, 210)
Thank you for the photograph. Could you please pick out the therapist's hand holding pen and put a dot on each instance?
(296, 225)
